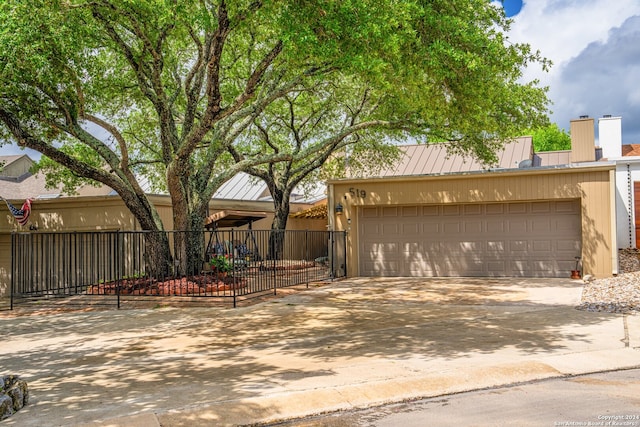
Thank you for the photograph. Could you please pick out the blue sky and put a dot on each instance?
(595, 48)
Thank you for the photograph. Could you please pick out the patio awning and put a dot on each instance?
(229, 218)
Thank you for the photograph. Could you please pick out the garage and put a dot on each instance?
(521, 239)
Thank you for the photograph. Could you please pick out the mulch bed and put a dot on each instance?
(192, 285)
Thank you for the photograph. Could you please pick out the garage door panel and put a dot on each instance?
(518, 246)
(541, 226)
(517, 208)
(494, 209)
(473, 227)
(518, 267)
(469, 248)
(429, 228)
(496, 247)
(369, 212)
(567, 207)
(452, 227)
(541, 207)
(390, 229)
(451, 210)
(566, 223)
(540, 267)
(371, 229)
(496, 267)
(409, 229)
(571, 246)
(430, 211)
(390, 212)
(566, 265)
(389, 248)
(542, 245)
(473, 209)
(409, 211)
(385, 269)
(410, 248)
(517, 226)
(495, 226)
(539, 239)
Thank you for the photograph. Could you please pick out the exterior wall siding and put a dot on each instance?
(592, 186)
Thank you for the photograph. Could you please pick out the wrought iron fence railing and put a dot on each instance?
(219, 263)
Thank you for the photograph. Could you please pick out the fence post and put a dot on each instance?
(13, 270)
(333, 254)
(344, 252)
(273, 258)
(233, 268)
(306, 256)
(117, 267)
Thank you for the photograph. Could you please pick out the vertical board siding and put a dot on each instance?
(591, 187)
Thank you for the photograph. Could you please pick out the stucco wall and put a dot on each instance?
(592, 185)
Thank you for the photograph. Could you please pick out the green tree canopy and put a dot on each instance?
(113, 90)
(550, 138)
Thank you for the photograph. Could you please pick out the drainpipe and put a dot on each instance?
(614, 232)
(630, 206)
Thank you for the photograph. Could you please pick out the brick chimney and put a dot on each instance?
(610, 136)
(583, 140)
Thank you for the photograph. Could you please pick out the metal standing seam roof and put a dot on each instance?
(552, 158)
(426, 159)
(242, 187)
(245, 187)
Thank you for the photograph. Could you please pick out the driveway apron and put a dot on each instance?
(340, 345)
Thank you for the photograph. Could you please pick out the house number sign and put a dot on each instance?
(357, 192)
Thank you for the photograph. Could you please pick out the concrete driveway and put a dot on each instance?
(353, 343)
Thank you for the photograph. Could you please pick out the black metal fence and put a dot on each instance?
(119, 264)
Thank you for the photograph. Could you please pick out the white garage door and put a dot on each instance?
(532, 239)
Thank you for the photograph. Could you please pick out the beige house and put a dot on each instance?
(530, 216)
(101, 209)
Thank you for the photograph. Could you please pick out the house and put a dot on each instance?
(434, 214)
(533, 215)
(627, 161)
(100, 208)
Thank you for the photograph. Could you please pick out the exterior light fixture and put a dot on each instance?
(339, 209)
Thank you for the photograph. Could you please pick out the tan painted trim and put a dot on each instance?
(591, 184)
(586, 167)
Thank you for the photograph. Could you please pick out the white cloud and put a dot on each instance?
(595, 48)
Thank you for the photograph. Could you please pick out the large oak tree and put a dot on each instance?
(122, 91)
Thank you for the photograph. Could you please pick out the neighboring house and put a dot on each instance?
(100, 208)
(627, 160)
(530, 216)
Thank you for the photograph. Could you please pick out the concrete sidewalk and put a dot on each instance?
(349, 344)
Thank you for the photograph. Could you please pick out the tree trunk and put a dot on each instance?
(157, 252)
(195, 241)
(279, 224)
(180, 209)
